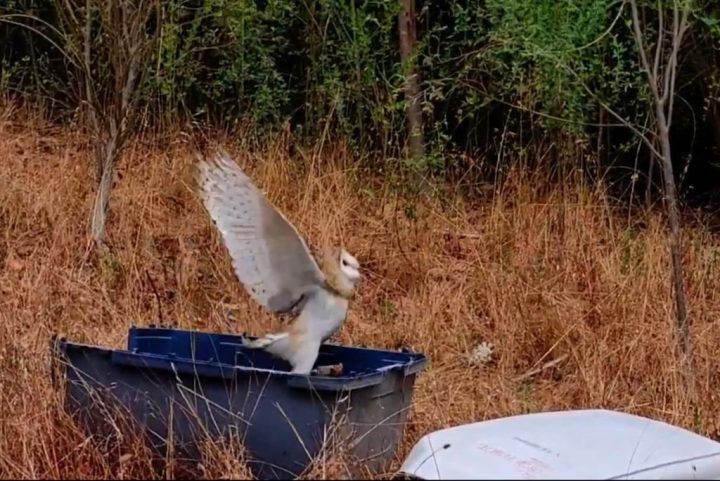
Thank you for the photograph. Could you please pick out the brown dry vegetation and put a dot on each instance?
(540, 276)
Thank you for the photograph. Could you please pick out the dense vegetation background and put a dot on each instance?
(501, 80)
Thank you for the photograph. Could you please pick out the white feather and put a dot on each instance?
(269, 257)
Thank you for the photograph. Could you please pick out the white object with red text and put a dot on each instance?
(581, 444)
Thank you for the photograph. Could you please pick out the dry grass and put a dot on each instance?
(538, 276)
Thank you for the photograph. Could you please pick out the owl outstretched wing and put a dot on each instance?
(269, 257)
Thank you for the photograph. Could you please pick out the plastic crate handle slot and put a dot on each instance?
(181, 366)
(326, 383)
(412, 367)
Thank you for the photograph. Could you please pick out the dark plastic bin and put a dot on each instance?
(210, 384)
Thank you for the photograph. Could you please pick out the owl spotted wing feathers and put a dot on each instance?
(269, 257)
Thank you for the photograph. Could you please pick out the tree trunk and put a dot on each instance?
(408, 37)
(106, 163)
(674, 221)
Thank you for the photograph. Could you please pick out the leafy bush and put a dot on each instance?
(331, 68)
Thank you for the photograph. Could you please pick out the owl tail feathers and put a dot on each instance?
(263, 342)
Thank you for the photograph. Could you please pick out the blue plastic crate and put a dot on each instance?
(210, 384)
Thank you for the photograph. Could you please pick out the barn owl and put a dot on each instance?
(273, 263)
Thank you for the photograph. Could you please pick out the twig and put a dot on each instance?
(463, 235)
(542, 368)
(157, 297)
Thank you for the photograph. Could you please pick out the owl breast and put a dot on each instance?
(324, 313)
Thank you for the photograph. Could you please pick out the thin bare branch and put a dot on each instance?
(648, 143)
(660, 38)
(677, 42)
(9, 19)
(89, 93)
(641, 46)
(673, 55)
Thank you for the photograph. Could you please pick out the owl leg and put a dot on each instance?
(304, 356)
(265, 341)
(300, 350)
